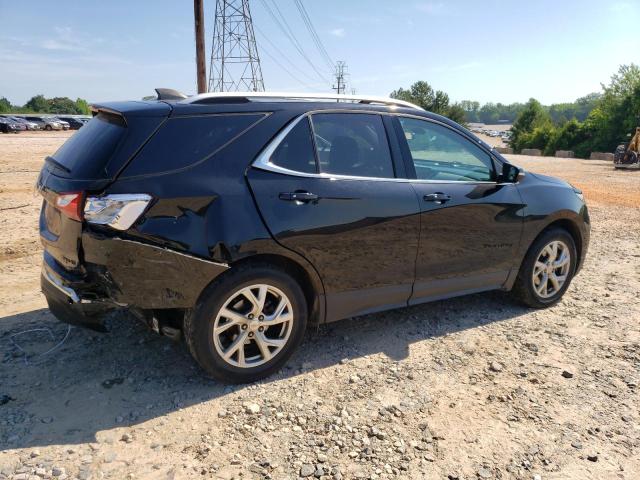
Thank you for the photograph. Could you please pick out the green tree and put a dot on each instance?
(489, 113)
(38, 104)
(533, 117)
(5, 105)
(82, 106)
(567, 137)
(436, 101)
(423, 95)
(61, 105)
(616, 114)
(457, 113)
(471, 109)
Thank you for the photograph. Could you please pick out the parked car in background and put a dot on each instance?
(75, 123)
(28, 124)
(237, 219)
(64, 123)
(47, 123)
(11, 126)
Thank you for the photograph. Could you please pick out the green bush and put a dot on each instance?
(615, 114)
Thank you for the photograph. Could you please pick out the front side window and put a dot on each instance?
(439, 153)
(295, 152)
(353, 144)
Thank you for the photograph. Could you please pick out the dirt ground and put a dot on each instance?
(474, 387)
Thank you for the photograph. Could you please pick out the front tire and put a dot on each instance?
(247, 324)
(547, 269)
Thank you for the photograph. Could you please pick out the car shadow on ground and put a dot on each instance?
(96, 382)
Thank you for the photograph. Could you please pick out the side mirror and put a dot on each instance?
(510, 174)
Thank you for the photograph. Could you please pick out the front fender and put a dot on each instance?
(551, 203)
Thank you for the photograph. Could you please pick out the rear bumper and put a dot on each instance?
(123, 273)
(65, 302)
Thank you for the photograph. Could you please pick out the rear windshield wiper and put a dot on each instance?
(56, 163)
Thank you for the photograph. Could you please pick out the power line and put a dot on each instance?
(283, 56)
(314, 34)
(285, 69)
(341, 74)
(292, 39)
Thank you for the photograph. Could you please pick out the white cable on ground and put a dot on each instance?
(39, 356)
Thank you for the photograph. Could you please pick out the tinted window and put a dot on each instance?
(295, 152)
(94, 143)
(352, 144)
(183, 141)
(439, 153)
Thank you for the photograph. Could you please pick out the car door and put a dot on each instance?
(470, 223)
(327, 189)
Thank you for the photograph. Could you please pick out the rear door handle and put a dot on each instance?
(437, 197)
(303, 197)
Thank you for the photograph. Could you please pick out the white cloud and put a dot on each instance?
(620, 7)
(64, 40)
(53, 44)
(338, 32)
(432, 8)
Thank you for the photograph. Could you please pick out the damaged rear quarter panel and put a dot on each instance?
(147, 276)
(201, 219)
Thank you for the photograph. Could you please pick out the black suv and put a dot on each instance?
(238, 219)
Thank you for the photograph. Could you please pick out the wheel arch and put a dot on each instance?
(572, 228)
(566, 223)
(306, 277)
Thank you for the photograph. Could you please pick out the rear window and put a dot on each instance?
(185, 141)
(353, 144)
(92, 145)
(296, 150)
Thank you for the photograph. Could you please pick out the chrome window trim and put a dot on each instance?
(263, 160)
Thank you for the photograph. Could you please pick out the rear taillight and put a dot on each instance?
(118, 211)
(71, 204)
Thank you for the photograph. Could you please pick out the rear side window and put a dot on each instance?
(295, 152)
(92, 145)
(185, 141)
(352, 144)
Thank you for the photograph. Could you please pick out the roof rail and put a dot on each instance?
(258, 96)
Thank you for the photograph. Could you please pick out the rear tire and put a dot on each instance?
(545, 276)
(48, 127)
(226, 331)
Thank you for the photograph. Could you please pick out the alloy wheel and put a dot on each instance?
(253, 325)
(551, 269)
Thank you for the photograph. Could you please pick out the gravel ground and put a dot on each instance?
(474, 387)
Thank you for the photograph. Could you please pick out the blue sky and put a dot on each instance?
(486, 50)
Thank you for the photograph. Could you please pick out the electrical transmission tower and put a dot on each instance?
(341, 77)
(235, 64)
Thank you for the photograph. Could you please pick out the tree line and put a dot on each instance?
(470, 111)
(615, 114)
(492, 113)
(40, 104)
(596, 122)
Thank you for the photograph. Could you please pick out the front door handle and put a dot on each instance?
(437, 197)
(303, 197)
